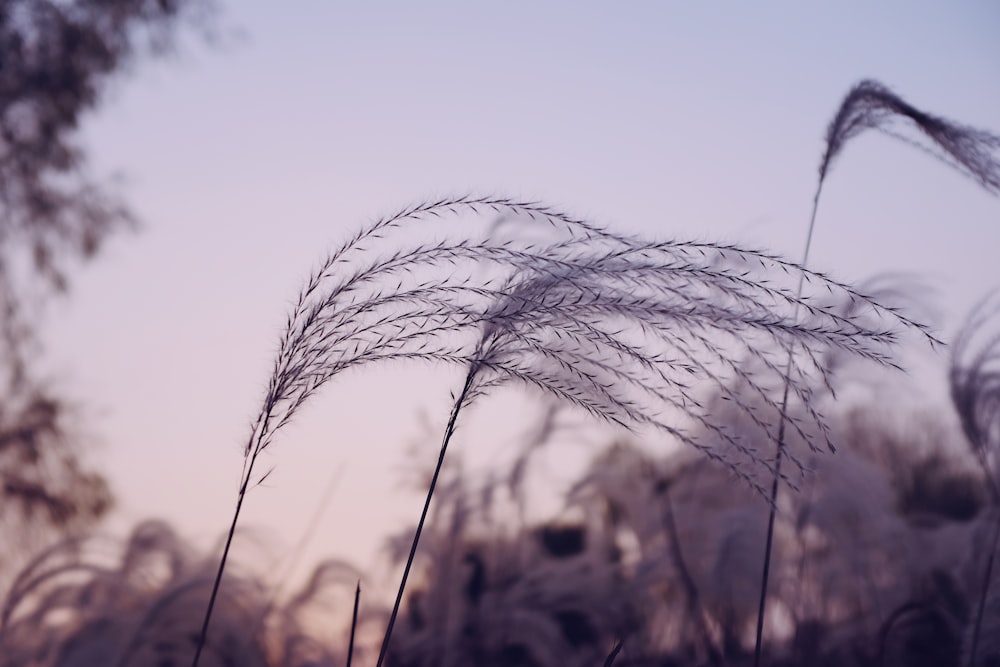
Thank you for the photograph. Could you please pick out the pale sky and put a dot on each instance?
(247, 162)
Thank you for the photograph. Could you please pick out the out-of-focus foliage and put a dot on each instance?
(43, 484)
(74, 606)
(56, 58)
(879, 561)
(879, 557)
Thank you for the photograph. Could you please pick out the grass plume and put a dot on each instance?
(872, 106)
(622, 327)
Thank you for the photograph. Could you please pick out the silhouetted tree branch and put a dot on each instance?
(56, 57)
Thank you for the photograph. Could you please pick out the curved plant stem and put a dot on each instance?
(448, 432)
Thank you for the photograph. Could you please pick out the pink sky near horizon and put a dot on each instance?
(248, 161)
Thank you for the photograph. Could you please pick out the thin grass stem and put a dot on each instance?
(782, 421)
(610, 660)
(354, 624)
(448, 432)
(769, 541)
(203, 633)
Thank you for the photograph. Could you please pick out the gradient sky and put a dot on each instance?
(245, 162)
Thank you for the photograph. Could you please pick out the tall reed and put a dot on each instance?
(870, 105)
(625, 328)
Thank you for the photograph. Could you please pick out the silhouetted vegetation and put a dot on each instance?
(671, 550)
(883, 554)
(659, 550)
(55, 61)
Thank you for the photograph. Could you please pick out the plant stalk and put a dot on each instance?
(203, 633)
(448, 432)
(783, 418)
(354, 624)
(610, 660)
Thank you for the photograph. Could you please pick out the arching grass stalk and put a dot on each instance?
(624, 328)
(870, 105)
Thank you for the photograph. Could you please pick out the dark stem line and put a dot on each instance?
(203, 633)
(354, 624)
(448, 431)
(610, 660)
(783, 418)
(769, 543)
